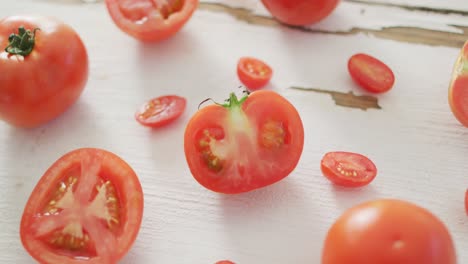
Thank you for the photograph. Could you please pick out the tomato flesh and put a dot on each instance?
(300, 12)
(371, 73)
(244, 146)
(253, 73)
(458, 90)
(348, 169)
(388, 231)
(161, 111)
(151, 20)
(87, 206)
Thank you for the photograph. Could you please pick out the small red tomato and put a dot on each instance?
(43, 68)
(86, 208)
(371, 73)
(253, 73)
(225, 262)
(151, 20)
(458, 91)
(161, 111)
(300, 12)
(348, 169)
(388, 231)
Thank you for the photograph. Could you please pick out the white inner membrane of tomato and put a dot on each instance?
(143, 10)
(242, 146)
(82, 214)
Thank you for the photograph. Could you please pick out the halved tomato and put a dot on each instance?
(151, 20)
(87, 207)
(253, 73)
(348, 169)
(245, 144)
(458, 91)
(371, 73)
(161, 110)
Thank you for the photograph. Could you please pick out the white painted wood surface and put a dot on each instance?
(418, 146)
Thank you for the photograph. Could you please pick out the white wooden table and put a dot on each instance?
(418, 146)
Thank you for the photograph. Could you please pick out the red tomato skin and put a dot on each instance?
(251, 80)
(458, 89)
(300, 12)
(259, 105)
(152, 30)
(133, 200)
(179, 109)
(348, 181)
(225, 262)
(370, 73)
(388, 231)
(41, 86)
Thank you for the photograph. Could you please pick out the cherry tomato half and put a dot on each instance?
(300, 12)
(244, 145)
(348, 169)
(161, 111)
(225, 262)
(371, 73)
(41, 79)
(87, 207)
(388, 231)
(253, 73)
(458, 91)
(151, 20)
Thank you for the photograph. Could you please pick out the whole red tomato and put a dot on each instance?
(44, 69)
(388, 231)
(300, 12)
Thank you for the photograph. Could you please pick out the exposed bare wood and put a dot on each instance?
(413, 8)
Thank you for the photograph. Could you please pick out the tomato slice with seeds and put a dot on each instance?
(245, 144)
(161, 111)
(348, 169)
(371, 73)
(253, 73)
(151, 20)
(87, 207)
(458, 91)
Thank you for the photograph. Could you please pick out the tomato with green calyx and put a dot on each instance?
(151, 20)
(458, 90)
(43, 67)
(388, 231)
(244, 144)
(87, 207)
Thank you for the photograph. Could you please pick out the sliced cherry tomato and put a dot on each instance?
(458, 91)
(87, 207)
(300, 12)
(225, 262)
(348, 169)
(388, 231)
(371, 73)
(253, 73)
(161, 111)
(43, 67)
(245, 144)
(151, 20)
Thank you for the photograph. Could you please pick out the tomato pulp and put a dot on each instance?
(87, 207)
(42, 77)
(151, 20)
(388, 231)
(245, 144)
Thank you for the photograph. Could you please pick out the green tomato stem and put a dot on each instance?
(21, 43)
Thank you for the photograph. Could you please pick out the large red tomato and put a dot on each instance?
(86, 208)
(300, 12)
(246, 144)
(388, 231)
(44, 69)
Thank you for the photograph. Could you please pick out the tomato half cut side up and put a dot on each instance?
(151, 20)
(370, 73)
(458, 90)
(161, 110)
(253, 73)
(348, 169)
(245, 144)
(87, 207)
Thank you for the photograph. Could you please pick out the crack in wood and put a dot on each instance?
(442, 11)
(349, 99)
(402, 34)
